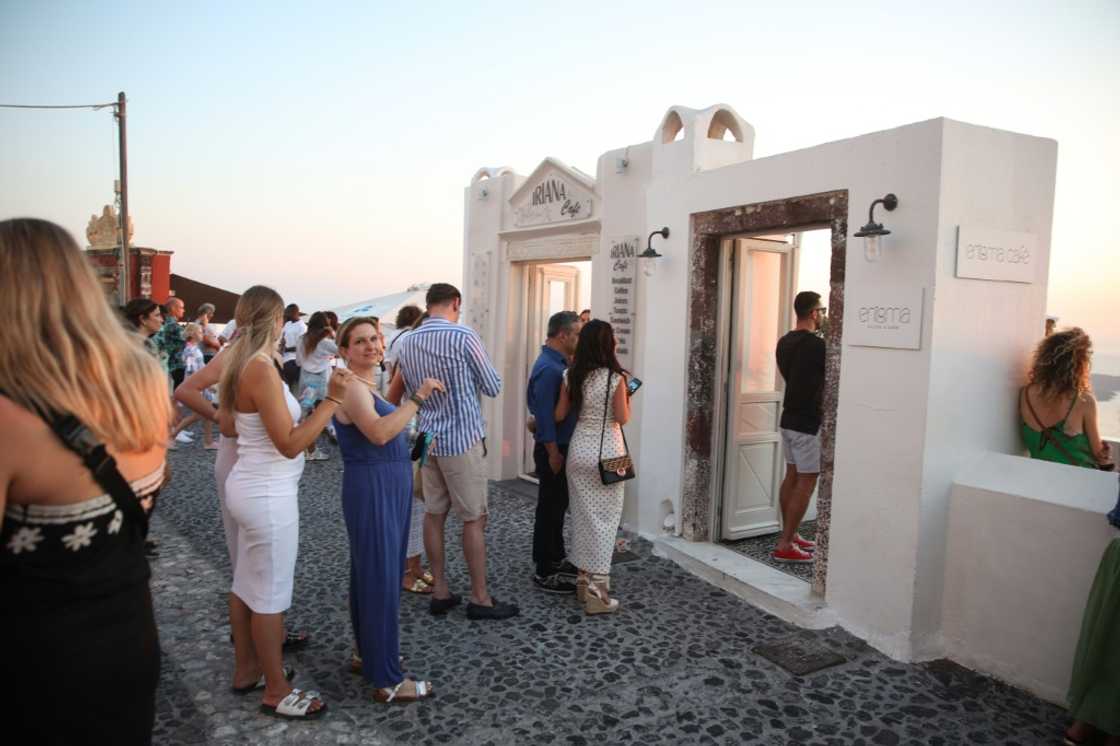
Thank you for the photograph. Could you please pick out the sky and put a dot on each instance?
(323, 148)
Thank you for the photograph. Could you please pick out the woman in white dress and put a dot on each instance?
(594, 387)
(261, 496)
(192, 393)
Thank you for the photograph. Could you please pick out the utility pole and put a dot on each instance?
(126, 279)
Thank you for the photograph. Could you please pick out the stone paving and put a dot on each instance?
(758, 548)
(675, 666)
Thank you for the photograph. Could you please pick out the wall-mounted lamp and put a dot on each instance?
(872, 233)
(650, 254)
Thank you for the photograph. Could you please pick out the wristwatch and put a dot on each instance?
(417, 400)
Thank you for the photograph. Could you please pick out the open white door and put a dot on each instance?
(552, 288)
(760, 306)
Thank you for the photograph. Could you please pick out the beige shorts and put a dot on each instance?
(456, 481)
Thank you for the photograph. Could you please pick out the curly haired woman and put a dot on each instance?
(1057, 406)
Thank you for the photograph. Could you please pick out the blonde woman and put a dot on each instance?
(81, 655)
(192, 393)
(261, 494)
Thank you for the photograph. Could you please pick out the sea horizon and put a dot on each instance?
(1106, 387)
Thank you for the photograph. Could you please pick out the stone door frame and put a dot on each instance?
(709, 229)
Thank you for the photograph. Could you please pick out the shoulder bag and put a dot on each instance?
(619, 468)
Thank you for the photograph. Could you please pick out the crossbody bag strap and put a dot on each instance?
(606, 401)
(603, 435)
(101, 464)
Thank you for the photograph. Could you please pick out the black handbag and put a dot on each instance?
(618, 468)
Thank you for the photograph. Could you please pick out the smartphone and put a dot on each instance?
(420, 449)
(633, 385)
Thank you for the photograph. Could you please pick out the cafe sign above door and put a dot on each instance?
(554, 193)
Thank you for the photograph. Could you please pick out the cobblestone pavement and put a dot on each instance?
(758, 548)
(673, 667)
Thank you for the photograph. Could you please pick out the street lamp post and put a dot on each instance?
(124, 277)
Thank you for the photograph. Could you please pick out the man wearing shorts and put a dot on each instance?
(801, 362)
(454, 475)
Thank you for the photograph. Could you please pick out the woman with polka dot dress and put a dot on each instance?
(594, 387)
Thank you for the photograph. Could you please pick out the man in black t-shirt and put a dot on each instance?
(801, 362)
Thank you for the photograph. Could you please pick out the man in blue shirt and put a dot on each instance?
(553, 574)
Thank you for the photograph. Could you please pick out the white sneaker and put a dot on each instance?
(184, 437)
(317, 455)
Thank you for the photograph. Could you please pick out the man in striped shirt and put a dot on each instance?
(454, 475)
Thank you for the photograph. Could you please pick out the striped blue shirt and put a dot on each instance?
(454, 355)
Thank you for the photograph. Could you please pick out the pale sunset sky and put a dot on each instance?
(323, 148)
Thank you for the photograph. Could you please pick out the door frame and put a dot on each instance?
(701, 449)
(537, 276)
(521, 280)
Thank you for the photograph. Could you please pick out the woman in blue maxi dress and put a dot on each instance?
(377, 505)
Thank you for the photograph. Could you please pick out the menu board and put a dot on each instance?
(624, 264)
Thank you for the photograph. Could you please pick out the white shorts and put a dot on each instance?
(802, 450)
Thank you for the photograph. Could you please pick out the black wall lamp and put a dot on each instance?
(872, 233)
(650, 253)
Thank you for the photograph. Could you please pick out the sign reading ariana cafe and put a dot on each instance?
(552, 199)
(911, 358)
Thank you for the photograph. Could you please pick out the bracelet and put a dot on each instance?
(417, 400)
(331, 398)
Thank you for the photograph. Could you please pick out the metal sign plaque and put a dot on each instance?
(884, 316)
(1002, 256)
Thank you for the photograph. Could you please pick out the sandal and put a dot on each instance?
(296, 706)
(295, 640)
(418, 586)
(289, 672)
(428, 578)
(390, 695)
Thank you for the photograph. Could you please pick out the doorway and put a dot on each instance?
(550, 288)
(707, 389)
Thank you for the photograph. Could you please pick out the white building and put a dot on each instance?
(936, 537)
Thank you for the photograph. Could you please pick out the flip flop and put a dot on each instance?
(295, 640)
(289, 672)
(296, 706)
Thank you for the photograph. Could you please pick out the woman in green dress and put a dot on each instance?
(1058, 411)
(1094, 690)
(1059, 424)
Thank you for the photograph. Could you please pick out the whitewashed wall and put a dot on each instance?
(983, 331)
(1024, 541)
(908, 420)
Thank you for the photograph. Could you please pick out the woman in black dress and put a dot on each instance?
(78, 636)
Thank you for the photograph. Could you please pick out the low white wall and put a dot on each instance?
(1025, 538)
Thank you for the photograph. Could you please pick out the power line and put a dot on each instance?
(93, 107)
(118, 107)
